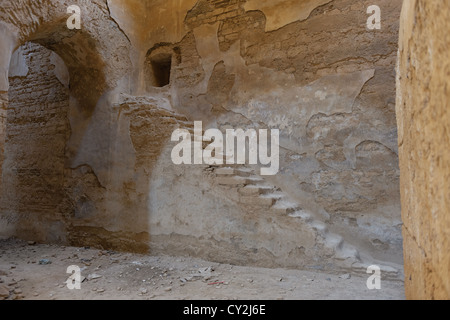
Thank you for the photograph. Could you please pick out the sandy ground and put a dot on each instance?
(111, 276)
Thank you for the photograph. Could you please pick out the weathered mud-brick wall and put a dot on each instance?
(3, 104)
(313, 70)
(424, 137)
(2, 134)
(59, 123)
(37, 130)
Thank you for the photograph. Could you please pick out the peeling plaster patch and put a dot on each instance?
(283, 12)
(7, 42)
(18, 66)
(267, 98)
(322, 95)
(260, 93)
(208, 49)
(61, 71)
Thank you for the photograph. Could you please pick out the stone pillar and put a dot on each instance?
(423, 112)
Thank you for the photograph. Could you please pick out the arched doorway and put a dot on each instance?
(53, 144)
(36, 132)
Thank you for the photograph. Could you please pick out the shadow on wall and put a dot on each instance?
(79, 51)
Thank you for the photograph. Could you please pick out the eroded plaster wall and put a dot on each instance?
(326, 82)
(309, 68)
(424, 122)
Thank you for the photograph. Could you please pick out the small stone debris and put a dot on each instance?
(86, 262)
(17, 297)
(143, 291)
(206, 270)
(44, 262)
(31, 243)
(346, 276)
(94, 276)
(204, 274)
(4, 292)
(168, 289)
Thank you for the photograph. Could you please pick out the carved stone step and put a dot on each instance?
(258, 201)
(304, 216)
(244, 172)
(320, 227)
(285, 208)
(239, 181)
(387, 272)
(274, 195)
(334, 241)
(225, 171)
(241, 172)
(231, 181)
(347, 252)
(252, 190)
(253, 180)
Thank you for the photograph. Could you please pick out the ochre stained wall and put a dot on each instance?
(423, 111)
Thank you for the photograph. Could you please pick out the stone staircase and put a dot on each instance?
(254, 191)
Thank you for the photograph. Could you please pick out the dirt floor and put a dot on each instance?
(38, 272)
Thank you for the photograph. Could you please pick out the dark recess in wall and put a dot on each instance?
(161, 65)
